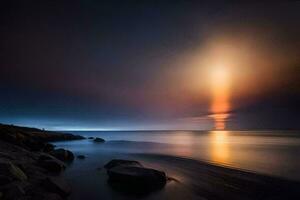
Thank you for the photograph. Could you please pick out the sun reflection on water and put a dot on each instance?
(220, 152)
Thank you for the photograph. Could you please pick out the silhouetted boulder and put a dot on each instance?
(120, 162)
(136, 180)
(90, 138)
(63, 155)
(131, 177)
(99, 140)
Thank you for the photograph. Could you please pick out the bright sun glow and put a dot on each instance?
(220, 85)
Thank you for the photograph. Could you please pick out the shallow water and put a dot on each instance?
(268, 152)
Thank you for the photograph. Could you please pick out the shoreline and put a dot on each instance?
(37, 173)
(223, 182)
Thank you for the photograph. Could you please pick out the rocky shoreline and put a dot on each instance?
(30, 167)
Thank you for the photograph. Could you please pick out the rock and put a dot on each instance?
(120, 162)
(90, 138)
(136, 180)
(34, 145)
(45, 156)
(52, 166)
(81, 157)
(9, 169)
(57, 185)
(99, 140)
(48, 147)
(63, 155)
(4, 180)
(51, 163)
(17, 172)
(14, 192)
(52, 196)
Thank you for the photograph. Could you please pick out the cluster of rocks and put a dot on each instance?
(30, 167)
(133, 178)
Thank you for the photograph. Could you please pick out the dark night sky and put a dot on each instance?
(135, 64)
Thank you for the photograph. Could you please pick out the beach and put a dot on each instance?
(191, 178)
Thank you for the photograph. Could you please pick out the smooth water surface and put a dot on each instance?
(267, 152)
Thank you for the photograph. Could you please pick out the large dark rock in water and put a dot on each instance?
(63, 155)
(99, 140)
(132, 178)
(120, 162)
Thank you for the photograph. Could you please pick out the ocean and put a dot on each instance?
(273, 153)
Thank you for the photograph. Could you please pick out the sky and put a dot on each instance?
(150, 65)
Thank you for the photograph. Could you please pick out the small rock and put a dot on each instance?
(90, 138)
(63, 155)
(81, 157)
(120, 162)
(99, 140)
(57, 185)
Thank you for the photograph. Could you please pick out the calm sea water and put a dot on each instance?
(267, 152)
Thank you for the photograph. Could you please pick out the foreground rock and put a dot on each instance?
(99, 140)
(131, 177)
